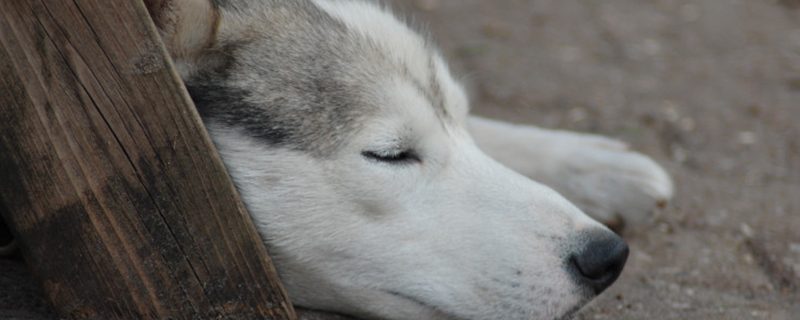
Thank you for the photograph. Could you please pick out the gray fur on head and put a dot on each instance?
(274, 84)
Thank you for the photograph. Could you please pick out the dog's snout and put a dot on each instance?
(598, 260)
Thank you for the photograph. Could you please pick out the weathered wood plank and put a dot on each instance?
(118, 199)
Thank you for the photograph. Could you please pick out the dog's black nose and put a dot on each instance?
(599, 259)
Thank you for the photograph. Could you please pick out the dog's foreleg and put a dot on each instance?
(602, 176)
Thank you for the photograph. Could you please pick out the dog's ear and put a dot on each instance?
(187, 27)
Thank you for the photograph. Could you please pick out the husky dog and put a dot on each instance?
(375, 192)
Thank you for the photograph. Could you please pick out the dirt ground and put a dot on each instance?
(710, 89)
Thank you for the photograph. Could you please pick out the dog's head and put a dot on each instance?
(346, 136)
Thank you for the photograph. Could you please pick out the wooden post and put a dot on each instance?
(118, 198)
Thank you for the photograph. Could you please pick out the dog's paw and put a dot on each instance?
(602, 176)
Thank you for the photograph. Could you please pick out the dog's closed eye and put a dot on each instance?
(392, 157)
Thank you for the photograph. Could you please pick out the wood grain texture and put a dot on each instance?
(109, 180)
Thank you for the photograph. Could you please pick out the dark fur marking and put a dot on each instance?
(228, 105)
(289, 95)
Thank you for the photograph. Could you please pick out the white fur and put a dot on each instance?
(380, 25)
(451, 231)
(455, 235)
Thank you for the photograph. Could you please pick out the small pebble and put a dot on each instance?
(686, 124)
(577, 114)
(427, 5)
(747, 231)
(651, 47)
(671, 112)
(497, 31)
(747, 137)
(759, 314)
(690, 12)
(569, 53)
(748, 259)
(681, 306)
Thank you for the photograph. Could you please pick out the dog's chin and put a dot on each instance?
(438, 314)
(574, 310)
(380, 304)
(585, 296)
